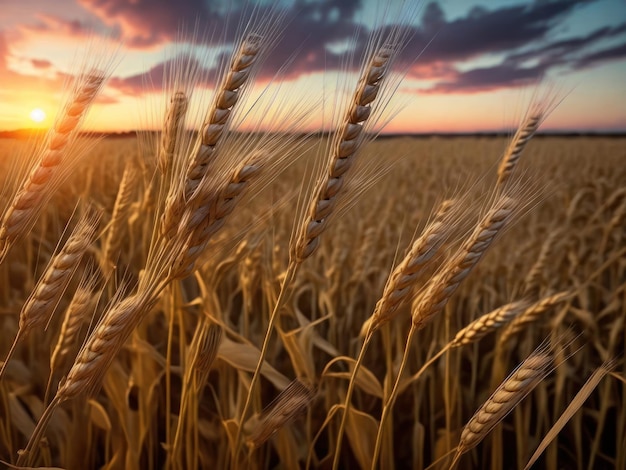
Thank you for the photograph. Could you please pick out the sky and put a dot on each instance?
(468, 66)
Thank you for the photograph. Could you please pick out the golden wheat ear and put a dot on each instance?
(291, 402)
(537, 113)
(75, 315)
(328, 188)
(45, 297)
(505, 398)
(52, 163)
(119, 217)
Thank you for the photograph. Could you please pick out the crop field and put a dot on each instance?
(174, 391)
(234, 290)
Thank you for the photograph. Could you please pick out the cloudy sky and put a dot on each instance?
(470, 64)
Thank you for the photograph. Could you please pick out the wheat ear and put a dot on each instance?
(474, 332)
(326, 193)
(441, 287)
(489, 322)
(345, 147)
(172, 131)
(42, 302)
(401, 282)
(212, 130)
(103, 344)
(292, 401)
(532, 314)
(200, 223)
(514, 151)
(75, 315)
(506, 397)
(534, 278)
(119, 217)
(39, 184)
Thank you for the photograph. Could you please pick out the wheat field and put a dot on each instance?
(209, 297)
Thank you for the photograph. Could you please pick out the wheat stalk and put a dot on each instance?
(399, 287)
(441, 287)
(202, 352)
(327, 191)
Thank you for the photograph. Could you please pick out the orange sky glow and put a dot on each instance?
(454, 81)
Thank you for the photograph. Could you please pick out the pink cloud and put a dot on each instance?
(41, 63)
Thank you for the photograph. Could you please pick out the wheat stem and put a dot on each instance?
(348, 402)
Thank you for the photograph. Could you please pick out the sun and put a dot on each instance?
(37, 115)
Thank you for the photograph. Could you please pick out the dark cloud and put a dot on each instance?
(612, 53)
(485, 31)
(145, 23)
(489, 78)
(567, 51)
(521, 33)
(302, 41)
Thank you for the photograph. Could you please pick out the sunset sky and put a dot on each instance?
(477, 60)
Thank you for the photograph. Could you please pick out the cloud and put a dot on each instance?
(312, 28)
(59, 26)
(522, 35)
(484, 31)
(612, 53)
(4, 52)
(319, 36)
(570, 50)
(104, 99)
(156, 77)
(41, 63)
(14, 83)
(489, 78)
(302, 41)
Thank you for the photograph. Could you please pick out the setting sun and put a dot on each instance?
(37, 115)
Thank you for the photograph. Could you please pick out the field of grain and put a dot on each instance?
(174, 393)
(236, 290)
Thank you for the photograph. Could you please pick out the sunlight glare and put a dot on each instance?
(37, 115)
